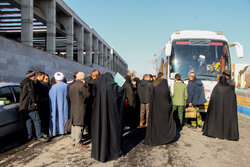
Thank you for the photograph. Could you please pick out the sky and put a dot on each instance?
(138, 29)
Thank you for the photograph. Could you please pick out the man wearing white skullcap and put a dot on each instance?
(59, 76)
(59, 113)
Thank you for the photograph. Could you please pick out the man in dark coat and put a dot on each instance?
(107, 115)
(135, 83)
(196, 97)
(222, 120)
(28, 105)
(43, 101)
(161, 125)
(145, 91)
(129, 111)
(77, 95)
(90, 100)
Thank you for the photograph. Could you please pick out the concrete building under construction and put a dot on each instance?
(47, 35)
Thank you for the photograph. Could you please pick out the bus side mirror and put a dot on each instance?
(238, 48)
(168, 49)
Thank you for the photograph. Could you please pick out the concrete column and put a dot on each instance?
(105, 56)
(122, 72)
(115, 63)
(27, 22)
(123, 69)
(120, 66)
(112, 59)
(108, 58)
(79, 35)
(100, 56)
(96, 50)
(49, 10)
(88, 42)
(68, 23)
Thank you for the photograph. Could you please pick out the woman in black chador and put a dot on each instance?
(161, 125)
(106, 131)
(221, 120)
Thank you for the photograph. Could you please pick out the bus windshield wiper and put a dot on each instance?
(206, 75)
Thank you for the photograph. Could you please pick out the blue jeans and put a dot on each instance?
(34, 116)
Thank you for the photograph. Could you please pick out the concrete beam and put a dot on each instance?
(68, 11)
(27, 22)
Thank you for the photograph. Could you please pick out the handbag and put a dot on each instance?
(190, 112)
(67, 126)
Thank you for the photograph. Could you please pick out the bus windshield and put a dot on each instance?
(204, 57)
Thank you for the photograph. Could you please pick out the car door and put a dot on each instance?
(9, 114)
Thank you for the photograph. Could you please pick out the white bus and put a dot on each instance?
(204, 52)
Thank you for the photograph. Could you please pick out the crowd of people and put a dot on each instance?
(96, 104)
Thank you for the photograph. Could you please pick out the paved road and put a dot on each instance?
(243, 94)
(190, 149)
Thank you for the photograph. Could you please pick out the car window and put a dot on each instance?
(6, 95)
(16, 90)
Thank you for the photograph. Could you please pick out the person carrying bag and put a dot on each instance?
(196, 97)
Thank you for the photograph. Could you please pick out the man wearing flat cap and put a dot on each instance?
(77, 95)
(28, 106)
(59, 113)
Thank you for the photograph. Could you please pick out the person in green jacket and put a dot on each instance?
(179, 97)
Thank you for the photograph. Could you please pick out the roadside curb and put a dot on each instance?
(243, 110)
(240, 90)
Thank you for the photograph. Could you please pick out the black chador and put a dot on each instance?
(221, 120)
(161, 125)
(107, 119)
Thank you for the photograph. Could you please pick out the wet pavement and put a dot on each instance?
(190, 149)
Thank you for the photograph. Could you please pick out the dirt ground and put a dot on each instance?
(190, 149)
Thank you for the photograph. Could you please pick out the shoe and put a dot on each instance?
(82, 146)
(141, 123)
(126, 128)
(146, 124)
(45, 136)
(43, 139)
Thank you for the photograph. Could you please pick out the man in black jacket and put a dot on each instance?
(90, 100)
(77, 94)
(28, 105)
(145, 91)
(42, 96)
